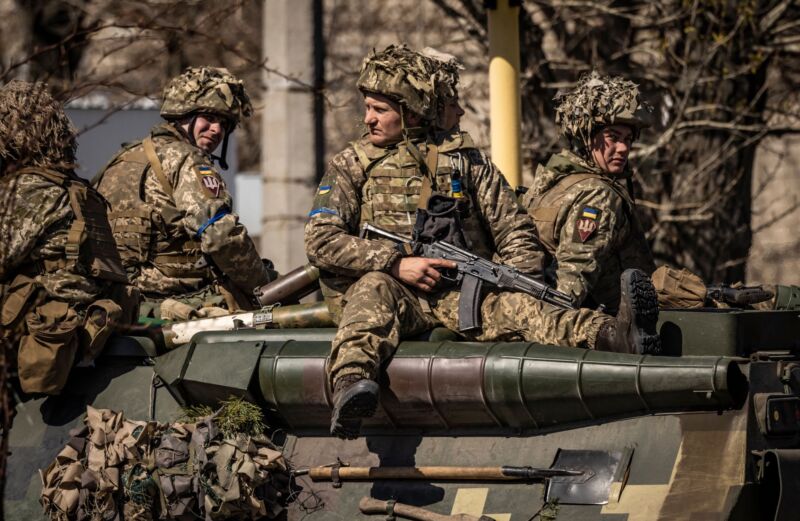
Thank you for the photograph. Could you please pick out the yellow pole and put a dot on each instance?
(504, 96)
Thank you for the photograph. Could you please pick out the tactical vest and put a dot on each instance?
(632, 252)
(396, 185)
(89, 239)
(138, 227)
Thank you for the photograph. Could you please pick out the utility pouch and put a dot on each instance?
(47, 352)
(680, 289)
(441, 220)
(17, 300)
(101, 317)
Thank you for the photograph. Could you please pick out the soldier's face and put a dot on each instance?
(384, 121)
(209, 130)
(610, 148)
(451, 116)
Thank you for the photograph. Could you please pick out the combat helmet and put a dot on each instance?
(446, 77)
(207, 90)
(402, 75)
(34, 129)
(598, 101)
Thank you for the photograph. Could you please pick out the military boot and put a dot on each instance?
(354, 398)
(634, 330)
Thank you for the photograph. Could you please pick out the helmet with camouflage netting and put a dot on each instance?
(598, 101)
(208, 90)
(402, 75)
(446, 79)
(34, 129)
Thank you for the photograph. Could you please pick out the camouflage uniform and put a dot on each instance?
(63, 285)
(586, 218)
(567, 192)
(170, 208)
(382, 186)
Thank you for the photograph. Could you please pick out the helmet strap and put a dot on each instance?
(190, 131)
(222, 158)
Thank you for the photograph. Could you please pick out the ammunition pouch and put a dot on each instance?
(101, 317)
(679, 289)
(18, 298)
(47, 352)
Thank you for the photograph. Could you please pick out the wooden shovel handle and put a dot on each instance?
(370, 505)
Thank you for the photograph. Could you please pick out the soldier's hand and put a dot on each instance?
(420, 272)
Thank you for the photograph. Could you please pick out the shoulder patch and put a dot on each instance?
(209, 179)
(586, 224)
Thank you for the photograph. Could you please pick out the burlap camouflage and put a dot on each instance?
(447, 74)
(597, 101)
(403, 75)
(380, 310)
(208, 90)
(150, 470)
(183, 216)
(588, 224)
(40, 137)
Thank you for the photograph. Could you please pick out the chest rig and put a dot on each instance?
(400, 180)
(139, 227)
(89, 247)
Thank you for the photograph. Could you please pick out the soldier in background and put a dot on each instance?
(171, 212)
(579, 201)
(376, 294)
(582, 204)
(63, 285)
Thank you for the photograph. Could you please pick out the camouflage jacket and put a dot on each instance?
(165, 232)
(347, 197)
(36, 225)
(587, 222)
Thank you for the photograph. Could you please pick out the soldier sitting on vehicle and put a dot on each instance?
(586, 215)
(62, 284)
(378, 295)
(170, 209)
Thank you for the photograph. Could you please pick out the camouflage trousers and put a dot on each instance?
(378, 311)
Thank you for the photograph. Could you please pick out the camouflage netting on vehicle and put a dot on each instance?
(403, 75)
(115, 468)
(206, 89)
(34, 130)
(597, 101)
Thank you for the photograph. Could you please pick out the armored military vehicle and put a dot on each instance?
(710, 432)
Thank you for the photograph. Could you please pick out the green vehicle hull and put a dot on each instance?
(694, 437)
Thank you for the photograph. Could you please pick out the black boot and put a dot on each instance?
(354, 398)
(634, 330)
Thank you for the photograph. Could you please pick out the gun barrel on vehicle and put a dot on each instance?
(453, 388)
(289, 288)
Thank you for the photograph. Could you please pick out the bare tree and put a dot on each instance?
(704, 65)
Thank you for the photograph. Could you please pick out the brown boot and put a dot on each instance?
(354, 398)
(634, 330)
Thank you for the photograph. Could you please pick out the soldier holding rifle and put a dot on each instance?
(378, 294)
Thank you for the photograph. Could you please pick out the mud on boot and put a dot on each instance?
(634, 330)
(354, 398)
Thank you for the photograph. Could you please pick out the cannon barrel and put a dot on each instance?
(460, 388)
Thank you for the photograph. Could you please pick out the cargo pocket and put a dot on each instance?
(47, 352)
(101, 317)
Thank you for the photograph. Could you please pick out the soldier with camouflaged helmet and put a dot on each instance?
(377, 294)
(583, 210)
(62, 284)
(170, 209)
(586, 217)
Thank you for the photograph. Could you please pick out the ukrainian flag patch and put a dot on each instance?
(324, 189)
(590, 213)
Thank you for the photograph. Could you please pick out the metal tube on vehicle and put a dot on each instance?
(289, 288)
